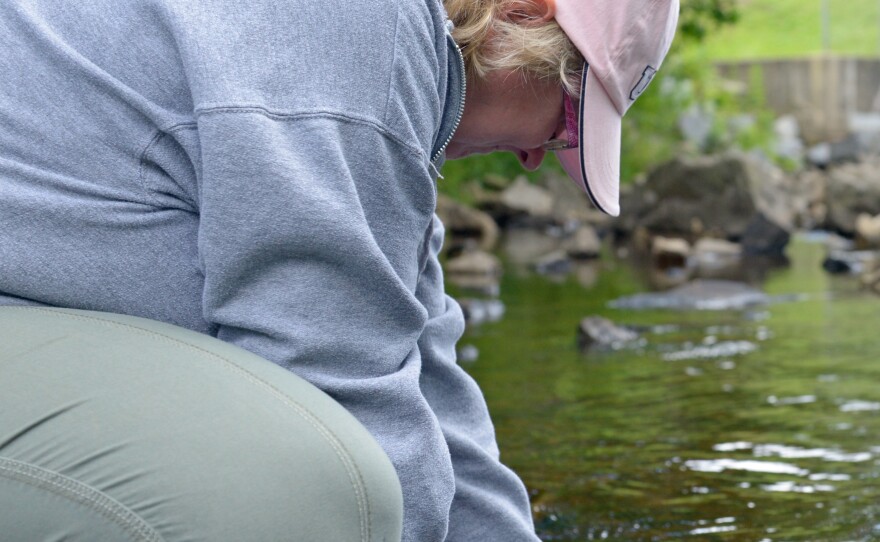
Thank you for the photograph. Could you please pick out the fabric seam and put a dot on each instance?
(631, 38)
(391, 67)
(80, 492)
(142, 177)
(286, 116)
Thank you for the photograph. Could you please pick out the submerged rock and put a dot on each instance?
(699, 294)
(595, 331)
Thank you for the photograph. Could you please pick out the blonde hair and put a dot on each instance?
(507, 35)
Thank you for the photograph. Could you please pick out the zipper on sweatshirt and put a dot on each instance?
(460, 111)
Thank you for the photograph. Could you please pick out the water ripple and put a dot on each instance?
(713, 529)
(792, 487)
(733, 446)
(798, 400)
(859, 406)
(819, 476)
(719, 350)
(794, 452)
(720, 465)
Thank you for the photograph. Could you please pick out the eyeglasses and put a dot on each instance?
(570, 141)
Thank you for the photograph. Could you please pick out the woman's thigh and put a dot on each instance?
(119, 428)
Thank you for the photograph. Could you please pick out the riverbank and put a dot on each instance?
(706, 217)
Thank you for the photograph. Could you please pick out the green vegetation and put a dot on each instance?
(787, 28)
(459, 175)
(699, 17)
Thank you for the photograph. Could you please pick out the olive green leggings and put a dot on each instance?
(115, 428)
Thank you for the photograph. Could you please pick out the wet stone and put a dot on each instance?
(555, 263)
(764, 237)
(595, 331)
(465, 225)
(669, 253)
(584, 244)
(850, 261)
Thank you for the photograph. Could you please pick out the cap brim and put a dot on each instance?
(595, 164)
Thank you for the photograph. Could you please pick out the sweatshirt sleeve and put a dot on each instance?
(313, 232)
(490, 502)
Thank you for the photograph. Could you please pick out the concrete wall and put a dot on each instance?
(823, 92)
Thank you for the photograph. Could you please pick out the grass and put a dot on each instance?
(791, 28)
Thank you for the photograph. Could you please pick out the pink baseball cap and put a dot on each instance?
(623, 43)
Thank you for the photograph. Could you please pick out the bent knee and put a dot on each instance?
(199, 439)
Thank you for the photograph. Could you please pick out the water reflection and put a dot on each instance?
(792, 487)
(797, 400)
(714, 529)
(795, 452)
(721, 465)
(859, 406)
(724, 349)
(706, 295)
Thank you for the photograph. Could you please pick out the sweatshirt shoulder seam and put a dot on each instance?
(381, 128)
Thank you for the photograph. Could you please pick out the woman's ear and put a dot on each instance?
(530, 11)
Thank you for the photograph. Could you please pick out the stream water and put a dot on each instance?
(672, 439)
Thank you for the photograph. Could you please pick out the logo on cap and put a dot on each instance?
(647, 77)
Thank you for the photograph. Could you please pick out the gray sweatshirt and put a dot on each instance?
(260, 171)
